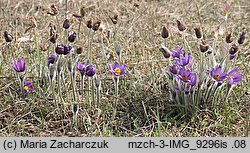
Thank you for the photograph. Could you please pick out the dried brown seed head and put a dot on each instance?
(79, 49)
(114, 18)
(229, 38)
(89, 23)
(96, 25)
(54, 11)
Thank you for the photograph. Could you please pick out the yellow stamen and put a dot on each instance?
(216, 76)
(232, 77)
(26, 88)
(117, 71)
(184, 77)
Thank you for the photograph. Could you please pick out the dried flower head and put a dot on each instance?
(89, 23)
(114, 18)
(164, 32)
(229, 38)
(96, 25)
(180, 25)
(242, 37)
(53, 33)
(54, 10)
(82, 11)
(7, 36)
(198, 32)
(79, 49)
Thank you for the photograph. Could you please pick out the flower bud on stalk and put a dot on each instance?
(164, 32)
(204, 47)
(165, 52)
(198, 33)
(96, 25)
(66, 24)
(233, 49)
(242, 37)
(7, 36)
(181, 26)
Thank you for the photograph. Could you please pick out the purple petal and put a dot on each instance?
(28, 83)
(123, 68)
(116, 64)
(233, 70)
(218, 70)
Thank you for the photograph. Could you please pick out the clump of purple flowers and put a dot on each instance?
(198, 89)
(182, 70)
(232, 77)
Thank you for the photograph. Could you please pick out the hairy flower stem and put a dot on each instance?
(116, 82)
(59, 88)
(208, 92)
(98, 97)
(93, 91)
(73, 85)
(79, 29)
(53, 93)
(185, 41)
(21, 80)
(88, 95)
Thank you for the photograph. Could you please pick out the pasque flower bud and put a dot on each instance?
(7, 36)
(164, 32)
(233, 49)
(181, 26)
(165, 52)
(242, 37)
(198, 33)
(66, 24)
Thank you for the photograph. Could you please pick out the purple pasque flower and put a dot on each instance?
(81, 67)
(62, 49)
(233, 77)
(52, 58)
(184, 60)
(27, 88)
(192, 79)
(19, 66)
(72, 36)
(67, 49)
(217, 74)
(176, 54)
(59, 49)
(90, 71)
(173, 69)
(184, 75)
(117, 69)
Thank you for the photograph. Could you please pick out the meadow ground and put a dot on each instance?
(143, 107)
